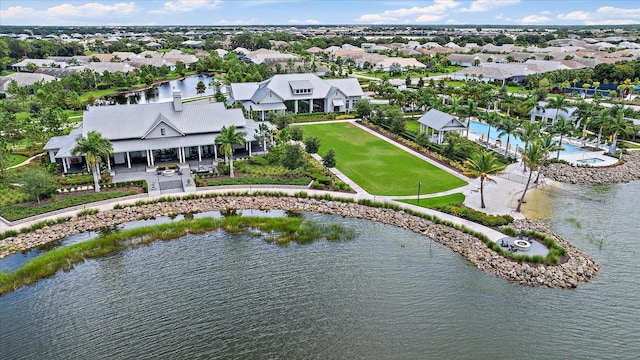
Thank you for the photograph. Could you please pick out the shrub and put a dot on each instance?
(477, 216)
(312, 144)
(259, 160)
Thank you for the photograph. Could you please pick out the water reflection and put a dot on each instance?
(164, 92)
(15, 261)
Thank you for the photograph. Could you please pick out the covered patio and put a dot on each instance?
(436, 123)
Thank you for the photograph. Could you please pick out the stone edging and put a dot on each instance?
(625, 172)
(580, 267)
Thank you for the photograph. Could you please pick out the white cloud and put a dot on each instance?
(575, 15)
(186, 6)
(64, 12)
(486, 5)
(237, 22)
(91, 10)
(534, 19)
(436, 11)
(611, 22)
(606, 15)
(307, 21)
(17, 12)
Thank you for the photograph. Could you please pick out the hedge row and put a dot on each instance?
(254, 180)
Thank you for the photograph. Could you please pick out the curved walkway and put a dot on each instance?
(502, 187)
(26, 161)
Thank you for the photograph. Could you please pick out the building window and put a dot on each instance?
(163, 131)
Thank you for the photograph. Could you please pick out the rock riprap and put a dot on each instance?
(629, 170)
(579, 267)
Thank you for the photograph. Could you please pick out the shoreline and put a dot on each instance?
(579, 267)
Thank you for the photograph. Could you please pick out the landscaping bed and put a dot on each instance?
(13, 212)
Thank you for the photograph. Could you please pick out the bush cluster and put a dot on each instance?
(249, 180)
(15, 212)
(476, 216)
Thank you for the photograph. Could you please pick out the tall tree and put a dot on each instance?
(533, 157)
(229, 137)
(493, 119)
(560, 103)
(617, 125)
(548, 144)
(292, 157)
(95, 149)
(508, 126)
(562, 127)
(38, 183)
(469, 111)
(482, 165)
(528, 132)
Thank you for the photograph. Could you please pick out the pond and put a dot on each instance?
(164, 92)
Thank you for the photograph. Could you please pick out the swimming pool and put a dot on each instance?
(481, 129)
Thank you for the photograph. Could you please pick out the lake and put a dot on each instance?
(387, 294)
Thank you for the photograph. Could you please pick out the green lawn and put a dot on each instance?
(435, 202)
(412, 125)
(377, 166)
(15, 159)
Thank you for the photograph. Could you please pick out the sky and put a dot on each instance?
(318, 12)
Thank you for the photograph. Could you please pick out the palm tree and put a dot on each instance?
(529, 132)
(227, 139)
(492, 119)
(508, 126)
(482, 165)
(534, 157)
(469, 111)
(586, 114)
(560, 103)
(562, 127)
(95, 149)
(454, 105)
(548, 144)
(617, 125)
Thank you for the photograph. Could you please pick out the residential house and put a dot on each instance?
(23, 79)
(549, 116)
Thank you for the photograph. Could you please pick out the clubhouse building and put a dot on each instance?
(155, 133)
(297, 93)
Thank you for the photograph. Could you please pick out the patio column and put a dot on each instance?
(64, 164)
(215, 153)
(295, 106)
(153, 161)
(310, 106)
(148, 158)
(128, 160)
(109, 164)
(249, 143)
(199, 152)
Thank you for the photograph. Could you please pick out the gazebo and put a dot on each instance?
(436, 123)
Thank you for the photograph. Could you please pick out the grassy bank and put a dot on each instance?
(280, 231)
